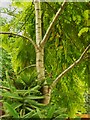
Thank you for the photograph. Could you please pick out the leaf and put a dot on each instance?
(11, 95)
(39, 113)
(11, 110)
(22, 91)
(51, 112)
(35, 88)
(29, 115)
(16, 105)
(85, 29)
(28, 108)
(63, 116)
(86, 14)
(34, 97)
(29, 91)
(34, 103)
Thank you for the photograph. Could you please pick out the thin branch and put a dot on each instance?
(10, 14)
(27, 68)
(1, 87)
(70, 67)
(46, 36)
(50, 7)
(25, 37)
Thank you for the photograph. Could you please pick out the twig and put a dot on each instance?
(46, 36)
(50, 7)
(1, 87)
(70, 67)
(25, 37)
(27, 68)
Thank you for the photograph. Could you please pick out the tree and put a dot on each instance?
(41, 41)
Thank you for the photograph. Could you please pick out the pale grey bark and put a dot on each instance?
(40, 52)
(38, 21)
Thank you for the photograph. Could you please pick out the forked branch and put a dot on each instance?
(25, 37)
(46, 36)
(70, 67)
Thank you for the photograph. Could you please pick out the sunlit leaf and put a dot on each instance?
(51, 112)
(34, 97)
(39, 113)
(11, 95)
(85, 29)
(11, 110)
(29, 115)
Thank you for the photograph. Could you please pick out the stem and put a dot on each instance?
(70, 67)
(25, 37)
(27, 68)
(1, 87)
(46, 36)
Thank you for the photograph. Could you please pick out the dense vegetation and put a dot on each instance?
(21, 89)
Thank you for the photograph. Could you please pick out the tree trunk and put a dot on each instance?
(39, 47)
(40, 64)
(40, 52)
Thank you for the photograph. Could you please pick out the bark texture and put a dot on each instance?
(40, 52)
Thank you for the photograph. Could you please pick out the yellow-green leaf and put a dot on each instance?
(85, 29)
(10, 109)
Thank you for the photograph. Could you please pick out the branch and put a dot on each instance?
(50, 7)
(1, 87)
(25, 37)
(70, 67)
(46, 36)
(26, 68)
(10, 14)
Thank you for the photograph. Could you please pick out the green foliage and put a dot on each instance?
(6, 64)
(69, 38)
(19, 102)
(51, 112)
(21, 94)
(85, 29)
(17, 94)
(2, 21)
(11, 110)
(62, 52)
(19, 53)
